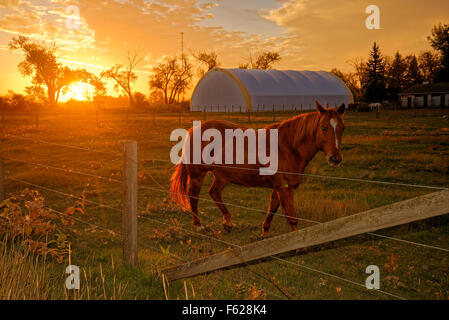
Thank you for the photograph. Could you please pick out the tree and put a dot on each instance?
(374, 79)
(263, 61)
(350, 79)
(172, 77)
(429, 64)
(17, 102)
(48, 75)
(125, 76)
(439, 40)
(141, 100)
(210, 60)
(396, 72)
(413, 73)
(359, 66)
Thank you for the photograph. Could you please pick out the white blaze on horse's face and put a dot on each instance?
(334, 126)
(333, 144)
(330, 132)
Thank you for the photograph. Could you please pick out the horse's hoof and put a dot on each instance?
(301, 251)
(228, 226)
(200, 228)
(265, 234)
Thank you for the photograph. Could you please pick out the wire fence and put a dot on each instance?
(162, 189)
(260, 113)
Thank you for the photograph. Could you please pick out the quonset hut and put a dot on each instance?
(262, 90)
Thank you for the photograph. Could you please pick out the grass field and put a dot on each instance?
(396, 146)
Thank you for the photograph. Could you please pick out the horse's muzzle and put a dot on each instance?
(334, 161)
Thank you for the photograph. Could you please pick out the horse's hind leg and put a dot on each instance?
(215, 192)
(194, 192)
(273, 207)
(286, 197)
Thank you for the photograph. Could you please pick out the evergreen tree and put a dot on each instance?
(396, 75)
(413, 74)
(375, 76)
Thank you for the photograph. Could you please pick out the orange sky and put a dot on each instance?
(309, 34)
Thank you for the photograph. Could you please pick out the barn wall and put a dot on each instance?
(260, 90)
(216, 90)
(435, 101)
(419, 101)
(303, 102)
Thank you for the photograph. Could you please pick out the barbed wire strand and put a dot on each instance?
(93, 225)
(248, 169)
(65, 145)
(300, 219)
(64, 170)
(225, 203)
(276, 258)
(112, 232)
(339, 278)
(318, 176)
(186, 230)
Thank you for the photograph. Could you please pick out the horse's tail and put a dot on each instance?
(178, 186)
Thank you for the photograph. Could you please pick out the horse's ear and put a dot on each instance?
(320, 108)
(341, 109)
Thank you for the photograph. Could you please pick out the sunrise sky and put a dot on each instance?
(309, 34)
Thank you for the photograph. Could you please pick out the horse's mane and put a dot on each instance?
(297, 129)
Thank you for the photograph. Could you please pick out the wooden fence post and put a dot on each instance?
(154, 116)
(3, 120)
(130, 203)
(37, 120)
(179, 117)
(2, 186)
(96, 117)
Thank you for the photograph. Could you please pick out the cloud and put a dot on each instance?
(327, 33)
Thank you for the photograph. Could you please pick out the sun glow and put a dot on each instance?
(78, 91)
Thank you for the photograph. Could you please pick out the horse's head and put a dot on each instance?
(329, 132)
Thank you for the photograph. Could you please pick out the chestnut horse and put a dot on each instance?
(299, 140)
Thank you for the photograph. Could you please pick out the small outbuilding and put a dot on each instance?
(426, 95)
(264, 90)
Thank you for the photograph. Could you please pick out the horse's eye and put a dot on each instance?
(324, 128)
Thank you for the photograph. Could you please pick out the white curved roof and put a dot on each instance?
(289, 82)
(255, 89)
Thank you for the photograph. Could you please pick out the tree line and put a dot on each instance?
(377, 79)
(168, 82)
(382, 77)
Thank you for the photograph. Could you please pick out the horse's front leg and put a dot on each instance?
(286, 195)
